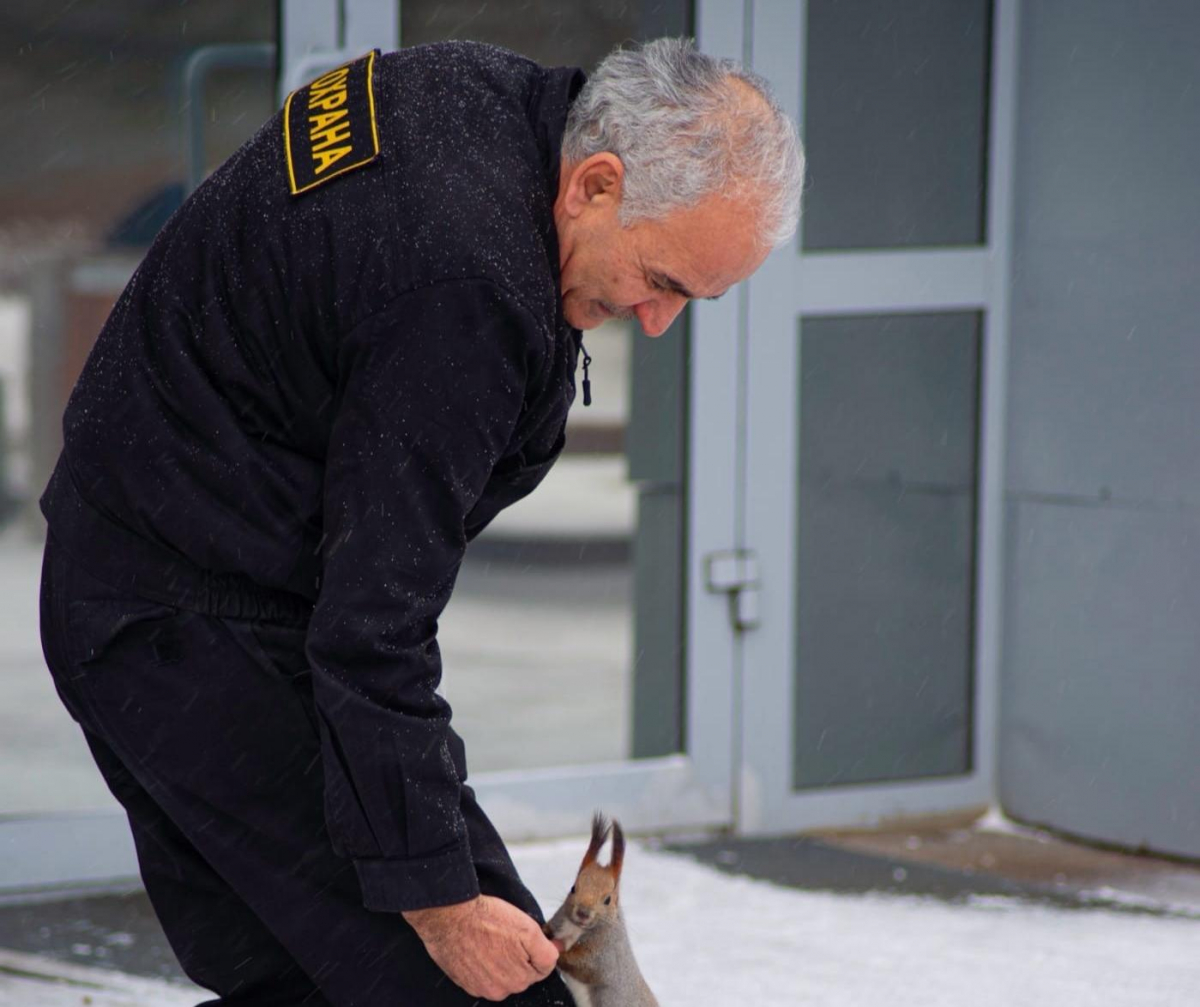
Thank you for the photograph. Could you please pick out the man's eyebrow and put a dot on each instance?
(679, 288)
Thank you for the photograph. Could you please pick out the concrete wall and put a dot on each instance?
(1100, 713)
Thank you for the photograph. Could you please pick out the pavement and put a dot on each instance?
(1039, 862)
(959, 859)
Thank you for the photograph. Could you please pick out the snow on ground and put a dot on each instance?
(705, 940)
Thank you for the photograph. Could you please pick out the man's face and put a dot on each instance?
(650, 269)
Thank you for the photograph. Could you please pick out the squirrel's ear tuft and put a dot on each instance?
(599, 834)
(618, 849)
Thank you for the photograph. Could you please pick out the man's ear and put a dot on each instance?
(594, 183)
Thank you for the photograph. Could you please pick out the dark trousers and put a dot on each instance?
(204, 729)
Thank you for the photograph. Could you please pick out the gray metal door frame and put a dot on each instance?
(744, 465)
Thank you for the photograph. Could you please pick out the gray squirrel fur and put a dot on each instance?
(597, 960)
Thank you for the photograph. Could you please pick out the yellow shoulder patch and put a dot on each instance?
(329, 125)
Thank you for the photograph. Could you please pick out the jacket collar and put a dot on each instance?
(548, 109)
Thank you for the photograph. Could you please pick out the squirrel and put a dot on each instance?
(595, 957)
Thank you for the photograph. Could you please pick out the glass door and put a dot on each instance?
(868, 457)
(564, 654)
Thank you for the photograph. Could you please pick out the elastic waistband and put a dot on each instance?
(126, 561)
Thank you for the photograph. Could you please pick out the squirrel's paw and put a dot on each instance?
(564, 935)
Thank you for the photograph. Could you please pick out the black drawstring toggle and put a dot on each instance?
(587, 384)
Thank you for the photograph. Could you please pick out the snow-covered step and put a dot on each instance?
(34, 981)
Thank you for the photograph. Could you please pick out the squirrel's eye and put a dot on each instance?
(607, 899)
(572, 889)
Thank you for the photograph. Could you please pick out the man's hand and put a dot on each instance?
(487, 946)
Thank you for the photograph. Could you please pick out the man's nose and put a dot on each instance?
(656, 315)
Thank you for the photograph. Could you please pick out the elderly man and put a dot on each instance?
(340, 359)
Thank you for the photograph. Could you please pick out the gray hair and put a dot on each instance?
(684, 130)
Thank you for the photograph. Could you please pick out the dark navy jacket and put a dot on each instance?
(332, 392)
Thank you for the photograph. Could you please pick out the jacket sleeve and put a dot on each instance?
(428, 394)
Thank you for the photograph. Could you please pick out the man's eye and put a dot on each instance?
(658, 285)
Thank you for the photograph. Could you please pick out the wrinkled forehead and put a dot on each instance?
(712, 245)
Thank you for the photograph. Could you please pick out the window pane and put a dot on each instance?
(896, 123)
(91, 99)
(886, 547)
(551, 32)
